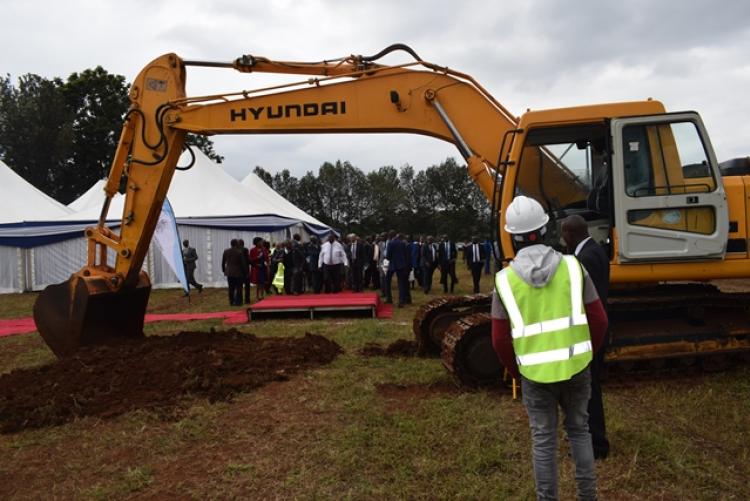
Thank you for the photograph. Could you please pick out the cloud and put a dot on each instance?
(532, 54)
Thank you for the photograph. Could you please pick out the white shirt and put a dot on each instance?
(580, 246)
(332, 253)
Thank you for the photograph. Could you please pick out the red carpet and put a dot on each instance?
(26, 325)
(343, 301)
(360, 301)
(12, 326)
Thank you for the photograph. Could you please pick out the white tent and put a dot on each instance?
(92, 198)
(20, 201)
(211, 208)
(271, 198)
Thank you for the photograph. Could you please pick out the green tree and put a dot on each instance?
(262, 173)
(61, 136)
(35, 130)
(385, 200)
(343, 191)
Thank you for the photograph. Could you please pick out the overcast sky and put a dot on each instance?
(691, 55)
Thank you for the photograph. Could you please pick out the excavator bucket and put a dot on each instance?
(85, 311)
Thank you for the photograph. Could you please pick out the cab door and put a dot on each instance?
(669, 201)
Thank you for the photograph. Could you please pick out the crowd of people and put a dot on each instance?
(350, 263)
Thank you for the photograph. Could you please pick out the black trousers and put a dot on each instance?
(476, 274)
(427, 271)
(448, 270)
(356, 271)
(296, 281)
(404, 294)
(597, 426)
(190, 275)
(235, 290)
(332, 278)
(317, 280)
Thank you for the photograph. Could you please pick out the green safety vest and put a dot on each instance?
(549, 327)
(278, 280)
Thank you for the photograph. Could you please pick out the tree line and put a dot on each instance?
(61, 135)
(439, 199)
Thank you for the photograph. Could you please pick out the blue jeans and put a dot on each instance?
(541, 401)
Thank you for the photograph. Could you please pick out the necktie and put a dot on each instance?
(476, 253)
(330, 253)
(447, 251)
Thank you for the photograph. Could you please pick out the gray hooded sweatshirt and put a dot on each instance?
(536, 265)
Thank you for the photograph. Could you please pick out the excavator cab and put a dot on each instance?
(566, 168)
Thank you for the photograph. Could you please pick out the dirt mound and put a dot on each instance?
(399, 348)
(154, 374)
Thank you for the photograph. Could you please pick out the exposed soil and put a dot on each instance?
(399, 348)
(403, 397)
(154, 374)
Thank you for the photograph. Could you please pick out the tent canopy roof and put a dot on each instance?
(20, 201)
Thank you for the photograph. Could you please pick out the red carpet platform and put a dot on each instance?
(355, 302)
(25, 325)
(366, 302)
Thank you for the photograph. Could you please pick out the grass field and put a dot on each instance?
(370, 428)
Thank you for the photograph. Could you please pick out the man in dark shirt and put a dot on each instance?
(356, 261)
(447, 260)
(575, 232)
(312, 255)
(298, 264)
(429, 263)
(233, 264)
(189, 258)
(475, 258)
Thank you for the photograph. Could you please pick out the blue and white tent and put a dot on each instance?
(211, 208)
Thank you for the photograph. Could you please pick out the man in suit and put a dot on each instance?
(298, 264)
(398, 258)
(415, 255)
(368, 268)
(245, 284)
(382, 259)
(429, 263)
(447, 260)
(357, 261)
(575, 232)
(234, 264)
(189, 258)
(475, 258)
(312, 256)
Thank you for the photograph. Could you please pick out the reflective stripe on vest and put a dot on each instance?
(548, 349)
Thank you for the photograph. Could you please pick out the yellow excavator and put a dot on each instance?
(646, 181)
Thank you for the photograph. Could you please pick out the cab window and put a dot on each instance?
(665, 159)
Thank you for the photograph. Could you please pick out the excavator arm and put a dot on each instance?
(348, 95)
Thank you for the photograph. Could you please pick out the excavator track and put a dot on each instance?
(656, 332)
(467, 352)
(676, 327)
(433, 319)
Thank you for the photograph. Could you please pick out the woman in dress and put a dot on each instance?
(258, 260)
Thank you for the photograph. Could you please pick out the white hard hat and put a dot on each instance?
(524, 215)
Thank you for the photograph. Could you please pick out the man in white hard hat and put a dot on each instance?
(547, 321)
